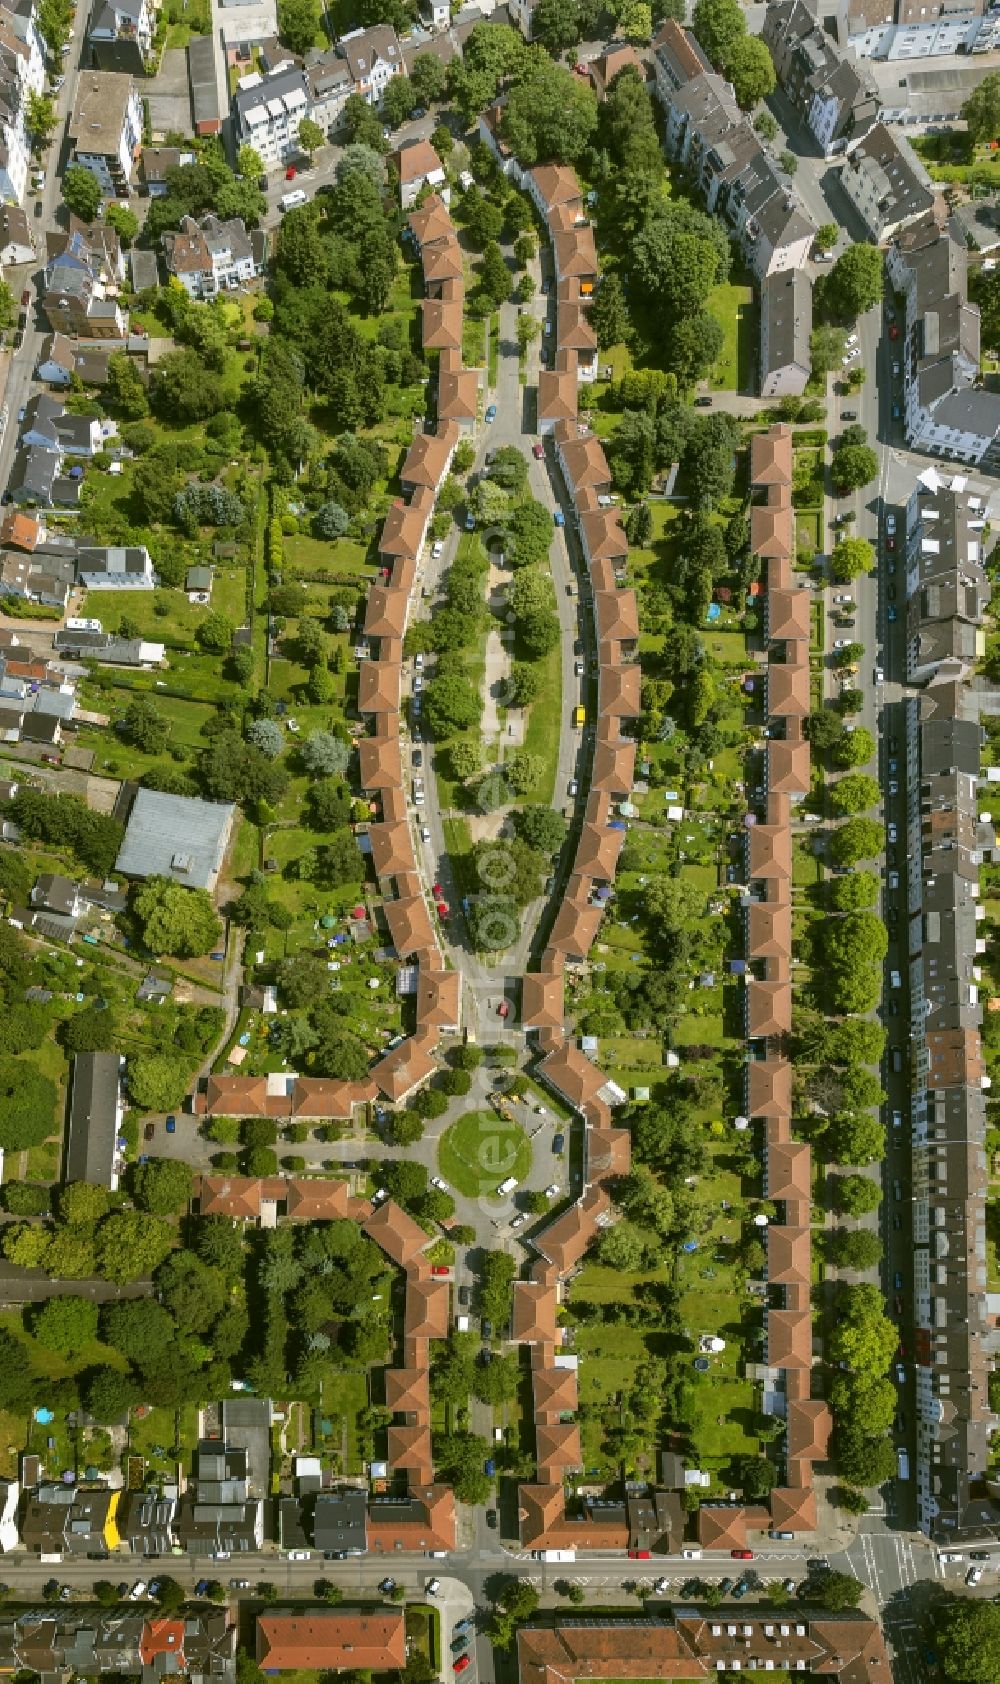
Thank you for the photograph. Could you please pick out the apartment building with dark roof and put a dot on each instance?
(835, 97)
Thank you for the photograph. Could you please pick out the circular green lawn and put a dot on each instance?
(480, 1150)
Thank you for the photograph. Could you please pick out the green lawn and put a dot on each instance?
(48, 1365)
(732, 305)
(542, 735)
(480, 1150)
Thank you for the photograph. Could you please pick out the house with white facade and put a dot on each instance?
(374, 56)
(22, 72)
(267, 111)
(16, 245)
(211, 256)
(886, 182)
(115, 567)
(945, 409)
(105, 128)
(836, 98)
(120, 34)
(419, 166)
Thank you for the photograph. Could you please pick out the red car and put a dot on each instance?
(440, 1269)
(442, 909)
(461, 1663)
(640, 1555)
(438, 891)
(538, 450)
(26, 296)
(893, 331)
(741, 1555)
(291, 173)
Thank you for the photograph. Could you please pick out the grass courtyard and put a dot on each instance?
(480, 1150)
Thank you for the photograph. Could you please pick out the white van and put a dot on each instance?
(508, 1185)
(895, 980)
(902, 1464)
(289, 201)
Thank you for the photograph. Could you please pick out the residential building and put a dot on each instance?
(267, 111)
(58, 360)
(330, 87)
(96, 1111)
(947, 588)
(107, 649)
(698, 1642)
(737, 180)
(677, 59)
(176, 836)
(331, 1639)
(945, 410)
(38, 578)
(373, 57)
(217, 1515)
(105, 128)
(78, 302)
(115, 567)
(154, 164)
(16, 244)
(211, 256)
(955, 1335)
(120, 35)
(135, 1643)
(419, 166)
(836, 98)
(71, 1520)
(785, 327)
(886, 182)
(904, 30)
(522, 13)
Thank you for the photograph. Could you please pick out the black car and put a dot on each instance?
(464, 1295)
(818, 1564)
(487, 1329)
(491, 1518)
(578, 646)
(558, 1143)
(703, 403)
(417, 757)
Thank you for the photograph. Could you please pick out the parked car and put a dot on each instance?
(491, 414)
(741, 1555)
(171, 1125)
(538, 450)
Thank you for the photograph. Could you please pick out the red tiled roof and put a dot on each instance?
(331, 1640)
(409, 1063)
(396, 1233)
(771, 456)
(542, 1000)
(378, 687)
(534, 1318)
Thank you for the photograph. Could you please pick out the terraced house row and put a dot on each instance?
(786, 1373)
(955, 1338)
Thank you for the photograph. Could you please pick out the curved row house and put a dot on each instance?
(424, 1517)
(786, 1373)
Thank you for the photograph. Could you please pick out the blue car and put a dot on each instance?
(171, 1125)
(491, 414)
(559, 518)
(489, 1468)
(470, 522)
(892, 613)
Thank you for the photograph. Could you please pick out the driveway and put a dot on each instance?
(169, 94)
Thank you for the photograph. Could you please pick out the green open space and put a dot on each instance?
(480, 1150)
(732, 305)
